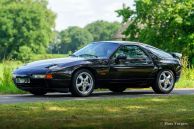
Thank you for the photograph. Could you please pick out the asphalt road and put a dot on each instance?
(10, 99)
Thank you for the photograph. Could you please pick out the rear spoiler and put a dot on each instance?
(176, 55)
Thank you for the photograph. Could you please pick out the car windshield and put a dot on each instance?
(102, 50)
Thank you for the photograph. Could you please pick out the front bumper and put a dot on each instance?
(44, 84)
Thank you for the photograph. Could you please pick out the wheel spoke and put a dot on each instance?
(89, 85)
(162, 81)
(79, 85)
(165, 85)
(84, 88)
(169, 76)
(164, 75)
(81, 77)
(86, 79)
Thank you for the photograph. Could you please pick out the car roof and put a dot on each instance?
(123, 42)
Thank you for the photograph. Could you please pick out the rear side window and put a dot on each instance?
(135, 52)
(159, 52)
(132, 52)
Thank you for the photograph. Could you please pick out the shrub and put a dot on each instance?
(25, 53)
(46, 56)
(187, 75)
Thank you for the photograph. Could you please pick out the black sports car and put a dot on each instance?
(114, 65)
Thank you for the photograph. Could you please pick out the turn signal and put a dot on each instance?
(49, 76)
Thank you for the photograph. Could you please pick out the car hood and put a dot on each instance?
(51, 62)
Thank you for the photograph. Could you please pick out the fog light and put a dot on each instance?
(49, 76)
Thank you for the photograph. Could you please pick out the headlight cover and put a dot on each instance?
(55, 68)
(38, 76)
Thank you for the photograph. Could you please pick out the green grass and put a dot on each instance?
(9, 64)
(134, 113)
(6, 84)
(187, 78)
(185, 83)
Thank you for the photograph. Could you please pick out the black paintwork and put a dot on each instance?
(108, 72)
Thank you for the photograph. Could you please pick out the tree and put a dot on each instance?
(72, 39)
(54, 46)
(167, 24)
(103, 30)
(26, 23)
(25, 53)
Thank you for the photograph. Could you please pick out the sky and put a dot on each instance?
(82, 12)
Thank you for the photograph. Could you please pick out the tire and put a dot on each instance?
(83, 83)
(38, 92)
(164, 82)
(117, 89)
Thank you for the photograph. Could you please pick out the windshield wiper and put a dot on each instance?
(88, 55)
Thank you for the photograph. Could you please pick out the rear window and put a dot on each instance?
(159, 52)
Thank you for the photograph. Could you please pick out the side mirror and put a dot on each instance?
(121, 57)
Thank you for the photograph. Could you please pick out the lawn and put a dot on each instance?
(169, 112)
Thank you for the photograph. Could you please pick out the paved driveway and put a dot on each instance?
(6, 99)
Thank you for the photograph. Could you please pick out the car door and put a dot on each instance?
(137, 67)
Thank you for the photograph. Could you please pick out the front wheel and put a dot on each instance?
(83, 83)
(164, 83)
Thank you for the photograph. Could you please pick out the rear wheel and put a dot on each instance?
(164, 83)
(83, 83)
(38, 92)
(117, 89)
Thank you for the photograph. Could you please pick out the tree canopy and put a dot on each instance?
(25, 24)
(167, 24)
(71, 39)
(103, 30)
(27, 28)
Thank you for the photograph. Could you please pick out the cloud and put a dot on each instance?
(82, 12)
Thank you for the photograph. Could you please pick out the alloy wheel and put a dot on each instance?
(166, 80)
(84, 83)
